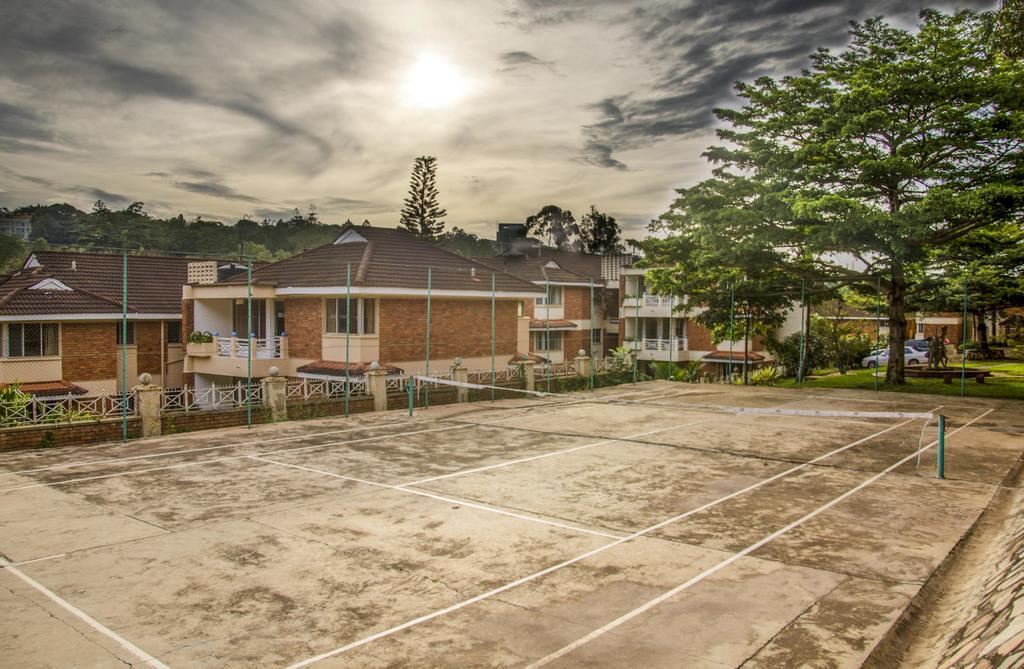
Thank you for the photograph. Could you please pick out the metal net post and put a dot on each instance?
(124, 344)
(493, 375)
(426, 386)
(963, 346)
(592, 334)
(878, 324)
(803, 335)
(248, 349)
(732, 335)
(348, 327)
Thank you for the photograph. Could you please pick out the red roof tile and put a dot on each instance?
(49, 388)
(337, 368)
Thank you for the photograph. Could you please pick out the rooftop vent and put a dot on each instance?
(203, 272)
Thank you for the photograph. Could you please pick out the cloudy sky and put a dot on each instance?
(256, 107)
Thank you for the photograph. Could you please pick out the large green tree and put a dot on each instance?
(557, 225)
(599, 232)
(870, 162)
(422, 215)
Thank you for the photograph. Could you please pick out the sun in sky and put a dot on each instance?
(432, 82)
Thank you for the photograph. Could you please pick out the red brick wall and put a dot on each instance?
(953, 332)
(88, 351)
(576, 302)
(304, 323)
(148, 339)
(188, 318)
(572, 342)
(20, 438)
(457, 328)
(698, 336)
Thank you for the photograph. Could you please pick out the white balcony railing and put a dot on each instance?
(676, 344)
(263, 348)
(657, 301)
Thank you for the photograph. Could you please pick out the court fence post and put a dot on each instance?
(408, 388)
(940, 460)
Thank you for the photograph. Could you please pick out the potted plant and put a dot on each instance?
(201, 344)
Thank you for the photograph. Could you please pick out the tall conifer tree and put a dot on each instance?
(422, 215)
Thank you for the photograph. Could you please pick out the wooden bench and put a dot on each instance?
(947, 375)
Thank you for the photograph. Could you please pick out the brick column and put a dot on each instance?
(376, 382)
(148, 398)
(274, 389)
(528, 373)
(461, 375)
(583, 363)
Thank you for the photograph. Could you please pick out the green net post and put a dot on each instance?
(878, 324)
(636, 328)
(732, 323)
(963, 346)
(408, 389)
(493, 375)
(348, 327)
(803, 337)
(249, 338)
(940, 458)
(124, 343)
(547, 329)
(671, 335)
(591, 334)
(426, 386)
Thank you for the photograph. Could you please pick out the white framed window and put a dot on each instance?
(119, 329)
(541, 340)
(364, 316)
(32, 340)
(595, 335)
(552, 298)
(920, 328)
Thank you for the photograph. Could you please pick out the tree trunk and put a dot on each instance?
(894, 375)
(746, 347)
(986, 352)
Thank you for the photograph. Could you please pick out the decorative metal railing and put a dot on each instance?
(190, 399)
(558, 369)
(680, 344)
(324, 388)
(263, 348)
(420, 382)
(31, 410)
(395, 383)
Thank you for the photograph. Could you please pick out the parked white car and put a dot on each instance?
(911, 356)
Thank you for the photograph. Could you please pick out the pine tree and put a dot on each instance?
(421, 214)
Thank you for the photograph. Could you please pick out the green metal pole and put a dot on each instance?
(878, 323)
(124, 344)
(493, 377)
(963, 346)
(408, 388)
(803, 322)
(732, 320)
(426, 386)
(940, 462)
(547, 329)
(671, 334)
(591, 334)
(636, 329)
(248, 348)
(348, 326)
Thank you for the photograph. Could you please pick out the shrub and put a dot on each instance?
(621, 359)
(200, 337)
(764, 376)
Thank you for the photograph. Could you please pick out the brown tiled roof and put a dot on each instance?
(49, 388)
(535, 270)
(389, 258)
(154, 284)
(337, 368)
(537, 324)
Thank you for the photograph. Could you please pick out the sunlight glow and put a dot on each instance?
(432, 83)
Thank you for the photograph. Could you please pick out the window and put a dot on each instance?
(240, 318)
(920, 328)
(173, 332)
(541, 339)
(131, 333)
(595, 336)
(32, 340)
(364, 316)
(553, 297)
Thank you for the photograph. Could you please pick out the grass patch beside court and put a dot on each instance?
(1003, 384)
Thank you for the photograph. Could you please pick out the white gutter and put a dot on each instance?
(400, 292)
(47, 318)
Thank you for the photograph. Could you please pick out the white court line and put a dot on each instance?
(565, 650)
(565, 563)
(205, 448)
(232, 457)
(39, 559)
(249, 443)
(450, 500)
(84, 617)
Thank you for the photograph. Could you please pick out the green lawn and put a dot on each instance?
(996, 386)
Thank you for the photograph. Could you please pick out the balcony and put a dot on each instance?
(229, 356)
(660, 349)
(648, 306)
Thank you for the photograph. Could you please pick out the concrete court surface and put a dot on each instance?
(627, 527)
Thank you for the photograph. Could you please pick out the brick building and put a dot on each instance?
(61, 322)
(578, 306)
(299, 322)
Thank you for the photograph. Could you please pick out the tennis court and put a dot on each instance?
(659, 525)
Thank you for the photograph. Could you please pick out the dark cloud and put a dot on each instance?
(513, 59)
(94, 193)
(214, 189)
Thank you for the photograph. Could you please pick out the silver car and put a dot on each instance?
(911, 356)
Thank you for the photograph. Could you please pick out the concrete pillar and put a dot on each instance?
(274, 389)
(583, 363)
(148, 406)
(284, 346)
(461, 375)
(528, 373)
(377, 383)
